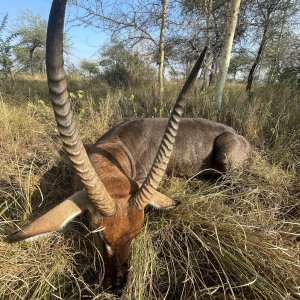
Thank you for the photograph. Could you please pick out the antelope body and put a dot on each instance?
(200, 144)
(123, 170)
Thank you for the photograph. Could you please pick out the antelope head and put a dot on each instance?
(115, 203)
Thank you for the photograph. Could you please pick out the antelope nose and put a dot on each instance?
(119, 285)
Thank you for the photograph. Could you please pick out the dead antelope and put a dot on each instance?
(123, 170)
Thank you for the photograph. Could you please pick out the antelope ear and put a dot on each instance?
(161, 201)
(54, 219)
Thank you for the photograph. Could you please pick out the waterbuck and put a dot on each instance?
(120, 176)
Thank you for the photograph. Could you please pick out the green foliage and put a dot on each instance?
(78, 104)
(32, 28)
(27, 64)
(89, 68)
(284, 60)
(289, 74)
(6, 55)
(240, 62)
(123, 68)
(30, 52)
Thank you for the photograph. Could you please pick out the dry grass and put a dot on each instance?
(238, 238)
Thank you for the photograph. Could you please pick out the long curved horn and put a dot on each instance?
(145, 193)
(64, 117)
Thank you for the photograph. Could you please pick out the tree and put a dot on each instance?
(268, 16)
(90, 68)
(235, 5)
(288, 66)
(200, 14)
(239, 63)
(123, 68)
(161, 49)
(208, 35)
(6, 55)
(32, 30)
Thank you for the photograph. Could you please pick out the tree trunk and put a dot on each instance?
(235, 5)
(234, 74)
(257, 60)
(6, 66)
(207, 64)
(31, 61)
(212, 75)
(276, 65)
(162, 49)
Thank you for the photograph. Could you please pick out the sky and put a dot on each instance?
(85, 41)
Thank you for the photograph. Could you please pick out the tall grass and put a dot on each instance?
(237, 238)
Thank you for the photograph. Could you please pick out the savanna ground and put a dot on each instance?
(236, 238)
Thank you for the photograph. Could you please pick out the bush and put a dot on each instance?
(122, 68)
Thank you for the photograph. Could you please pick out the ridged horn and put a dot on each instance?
(63, 114)
(145, 193)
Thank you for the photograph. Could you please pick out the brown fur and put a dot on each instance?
(200, 144)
